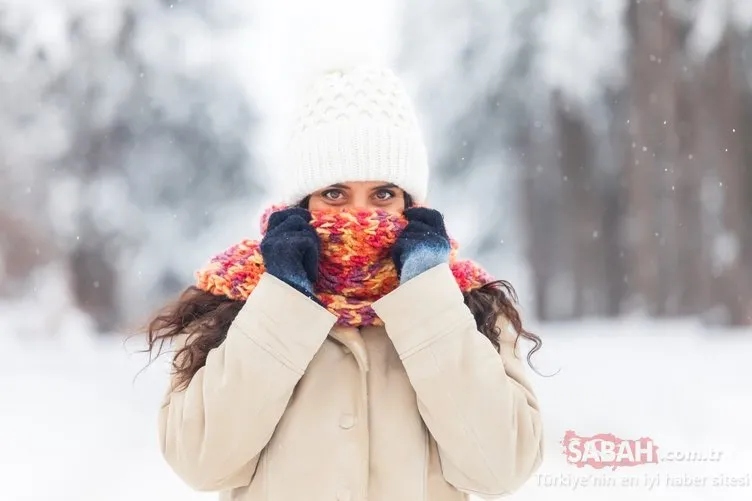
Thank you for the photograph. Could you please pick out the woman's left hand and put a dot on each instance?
(422, 245)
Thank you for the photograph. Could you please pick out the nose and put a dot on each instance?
(359, 200)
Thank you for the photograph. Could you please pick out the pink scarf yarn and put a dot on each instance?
(355, 268)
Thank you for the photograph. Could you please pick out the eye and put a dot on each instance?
(333, 195)
(384, 195)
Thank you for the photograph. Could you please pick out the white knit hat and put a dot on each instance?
(356, 124)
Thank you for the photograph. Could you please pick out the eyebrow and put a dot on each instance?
(385, 186)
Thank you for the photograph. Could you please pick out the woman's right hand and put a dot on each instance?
(291, 249)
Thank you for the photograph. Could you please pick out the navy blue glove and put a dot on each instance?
(422, 245)
(291, 249)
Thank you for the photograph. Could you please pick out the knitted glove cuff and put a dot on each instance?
(422, 245)
(422, 258)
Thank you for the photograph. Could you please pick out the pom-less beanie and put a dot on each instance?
(355, 124)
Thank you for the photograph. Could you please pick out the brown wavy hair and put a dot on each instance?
(206, 318)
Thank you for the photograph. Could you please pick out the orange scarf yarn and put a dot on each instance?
(355, 267)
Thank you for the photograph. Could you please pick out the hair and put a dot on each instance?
(205, 319)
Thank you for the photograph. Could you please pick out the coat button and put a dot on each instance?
(347, 421)
(344, 495)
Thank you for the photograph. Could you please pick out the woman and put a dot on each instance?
(349, 355)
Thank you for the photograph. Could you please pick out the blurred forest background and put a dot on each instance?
(593, 153)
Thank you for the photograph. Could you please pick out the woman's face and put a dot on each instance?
(360, 195)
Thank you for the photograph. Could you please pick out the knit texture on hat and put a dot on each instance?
(356, 125)
(355, 268)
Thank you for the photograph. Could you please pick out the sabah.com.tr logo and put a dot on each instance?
(606, 450)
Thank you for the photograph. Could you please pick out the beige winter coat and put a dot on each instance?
(289, 408)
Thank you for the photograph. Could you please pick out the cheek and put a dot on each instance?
(317, 203)
(396, 206)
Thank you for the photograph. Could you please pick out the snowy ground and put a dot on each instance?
(78, 423)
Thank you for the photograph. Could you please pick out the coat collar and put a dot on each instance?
(351, 338)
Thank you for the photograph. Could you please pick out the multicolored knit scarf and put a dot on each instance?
(355, 268)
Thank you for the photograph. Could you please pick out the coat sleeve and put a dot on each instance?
(212, 432)
(475, 402)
